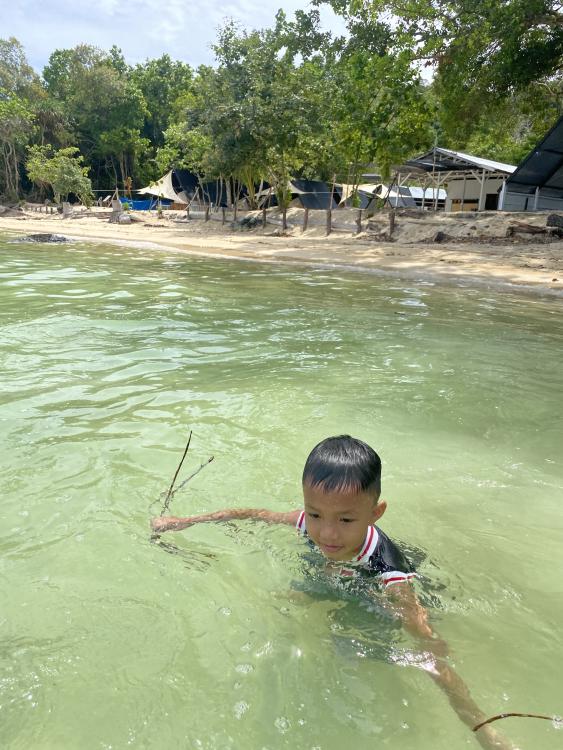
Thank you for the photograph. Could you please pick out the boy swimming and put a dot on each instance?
(341, 493)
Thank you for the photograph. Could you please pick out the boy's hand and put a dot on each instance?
(168, 523)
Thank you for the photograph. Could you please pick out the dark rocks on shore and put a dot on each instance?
(43, 238)
(554, 220)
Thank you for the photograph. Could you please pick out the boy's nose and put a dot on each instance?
(329, 534)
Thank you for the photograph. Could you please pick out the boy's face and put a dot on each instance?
(337, 522)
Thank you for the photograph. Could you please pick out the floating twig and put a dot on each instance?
(167, 500)
(505, 716)
(179, 487)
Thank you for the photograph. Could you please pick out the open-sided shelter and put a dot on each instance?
(472, 183)
(537, 183)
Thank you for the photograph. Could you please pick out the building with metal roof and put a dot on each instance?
(472, 183)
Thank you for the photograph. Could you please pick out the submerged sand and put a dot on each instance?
(476, 247)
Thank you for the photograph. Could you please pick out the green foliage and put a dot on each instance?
(525, 118)
(16, 129)
(61, 170)
(482, 52)
(162, 82)
(183, 148)
(16, 75)
(106, 108)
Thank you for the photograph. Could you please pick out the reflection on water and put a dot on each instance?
(228, 636)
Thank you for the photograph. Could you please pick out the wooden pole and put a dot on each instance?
(329, 212)
(463, 191)
(359, 222)
(481, 206)
(305, 219)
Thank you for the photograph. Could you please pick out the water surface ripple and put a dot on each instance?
(225, 636)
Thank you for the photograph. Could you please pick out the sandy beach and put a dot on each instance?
(476, 247)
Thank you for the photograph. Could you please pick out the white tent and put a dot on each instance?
(164, 188)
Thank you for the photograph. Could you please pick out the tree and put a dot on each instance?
(61, 170)
(16, 75)
(162, 82)
(16, 127)
(104, 104)
(482, 51)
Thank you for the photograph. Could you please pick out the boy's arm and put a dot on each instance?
(414, 617)
(171, 523)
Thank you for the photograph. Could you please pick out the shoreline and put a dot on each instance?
(530, 267)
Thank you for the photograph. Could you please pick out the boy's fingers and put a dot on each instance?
(159, 524)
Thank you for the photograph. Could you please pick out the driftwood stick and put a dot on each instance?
(167, 500)
(192, 475)
(505, 716)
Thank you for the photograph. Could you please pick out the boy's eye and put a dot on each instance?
(313, 515)
(347, 520)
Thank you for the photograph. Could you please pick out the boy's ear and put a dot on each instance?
(379, 509)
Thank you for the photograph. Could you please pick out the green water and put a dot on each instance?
(109, 356)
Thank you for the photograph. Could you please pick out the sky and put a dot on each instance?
(141, 28)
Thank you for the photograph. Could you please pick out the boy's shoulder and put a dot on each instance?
(389, 561)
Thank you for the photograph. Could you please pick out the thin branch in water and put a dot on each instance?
(167, 500)
(505, 716)
(179, 487)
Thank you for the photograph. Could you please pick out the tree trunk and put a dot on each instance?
(328, 222)
(284, 219)
(359, 222)
(305, 219)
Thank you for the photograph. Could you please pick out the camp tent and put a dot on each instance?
(183, 186)
(364, 198)
(411, 197)
(178, 185)
(537, 183)
(312, 194)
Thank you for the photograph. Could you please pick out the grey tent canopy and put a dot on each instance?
(313, 194)
(543, 167)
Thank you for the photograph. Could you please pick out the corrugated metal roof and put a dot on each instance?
(444, 160)
(494, 166)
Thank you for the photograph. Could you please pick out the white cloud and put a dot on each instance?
(142, 29)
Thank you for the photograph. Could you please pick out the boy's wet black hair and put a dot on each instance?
(343, 463)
